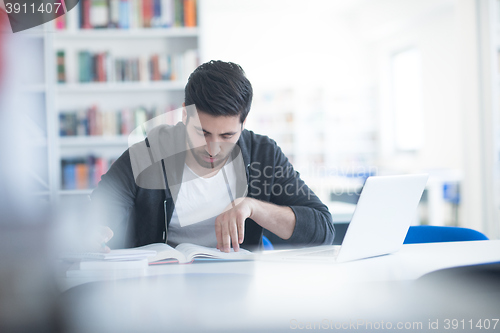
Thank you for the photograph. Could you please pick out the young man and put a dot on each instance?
(207, 180)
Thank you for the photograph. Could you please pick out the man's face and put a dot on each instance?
(212, 139)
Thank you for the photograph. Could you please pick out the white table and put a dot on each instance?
(411, 262)
(276, 296)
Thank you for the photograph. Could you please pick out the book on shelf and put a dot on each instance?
(167, 13)
(113, 13)
(124, 14)
(179, 13)
(135, 14)
(156, 19)
(60, 22)
(85, 13)
(190, 13)
(147, 13)
(99, 14)
(61, 67)
(68, 175)
(83, 173)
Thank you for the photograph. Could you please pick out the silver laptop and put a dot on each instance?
(386, 207)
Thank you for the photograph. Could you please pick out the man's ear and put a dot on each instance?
(243, 125)
(184, 114)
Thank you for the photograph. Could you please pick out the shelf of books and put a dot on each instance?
(129, 14)
(118, 63)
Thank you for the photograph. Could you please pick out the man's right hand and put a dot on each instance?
(104, 235)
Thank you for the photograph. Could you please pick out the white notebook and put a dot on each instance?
(121, 254)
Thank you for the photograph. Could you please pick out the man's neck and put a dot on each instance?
(198, 169)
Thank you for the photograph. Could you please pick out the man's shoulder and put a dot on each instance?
(258, 147)
(251, 138)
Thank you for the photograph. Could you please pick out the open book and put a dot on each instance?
(186, 252)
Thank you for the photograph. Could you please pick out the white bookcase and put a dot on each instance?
(34, 96)
(107, 96)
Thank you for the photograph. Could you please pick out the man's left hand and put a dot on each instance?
(230, 225)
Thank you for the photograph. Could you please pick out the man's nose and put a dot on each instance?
(213, 148)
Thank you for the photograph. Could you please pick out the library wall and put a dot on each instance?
(433, 32)
(309, 72)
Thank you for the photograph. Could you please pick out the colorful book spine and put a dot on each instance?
(101, 167)
(85, 14)
(68, 175)
(60, 22)
(113, 13)
(156, 20)
(190, 13)
(99, 14)
(82, 123)
(61, 67)
(139, 15)
(178, 13)
(124, 16)
(167, 13)
(85, 66)
(155, 68)
(146, 13)
(92, 116)
(81, 176)
(126, 122)
(100, 69)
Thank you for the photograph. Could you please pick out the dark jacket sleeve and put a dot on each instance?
(314, 224)
(113, 199)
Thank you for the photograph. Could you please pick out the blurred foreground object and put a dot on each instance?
(27, 292)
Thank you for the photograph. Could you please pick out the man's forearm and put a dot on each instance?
(280, 220)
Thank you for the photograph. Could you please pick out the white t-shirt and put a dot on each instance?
(199, 202)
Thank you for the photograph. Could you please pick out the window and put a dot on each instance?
(407, 100)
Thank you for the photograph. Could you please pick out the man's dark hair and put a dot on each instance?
(220, 89)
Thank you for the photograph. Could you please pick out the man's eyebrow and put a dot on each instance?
(222, 134)
(228, 133)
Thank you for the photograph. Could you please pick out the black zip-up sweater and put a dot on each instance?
(136, 213)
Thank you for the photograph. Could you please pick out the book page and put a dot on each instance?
(192, 251)
(164, 251)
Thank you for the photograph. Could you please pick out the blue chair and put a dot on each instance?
(267, 243)
(434, 234)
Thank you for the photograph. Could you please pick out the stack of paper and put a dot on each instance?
(122, 254)
(93, 264)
